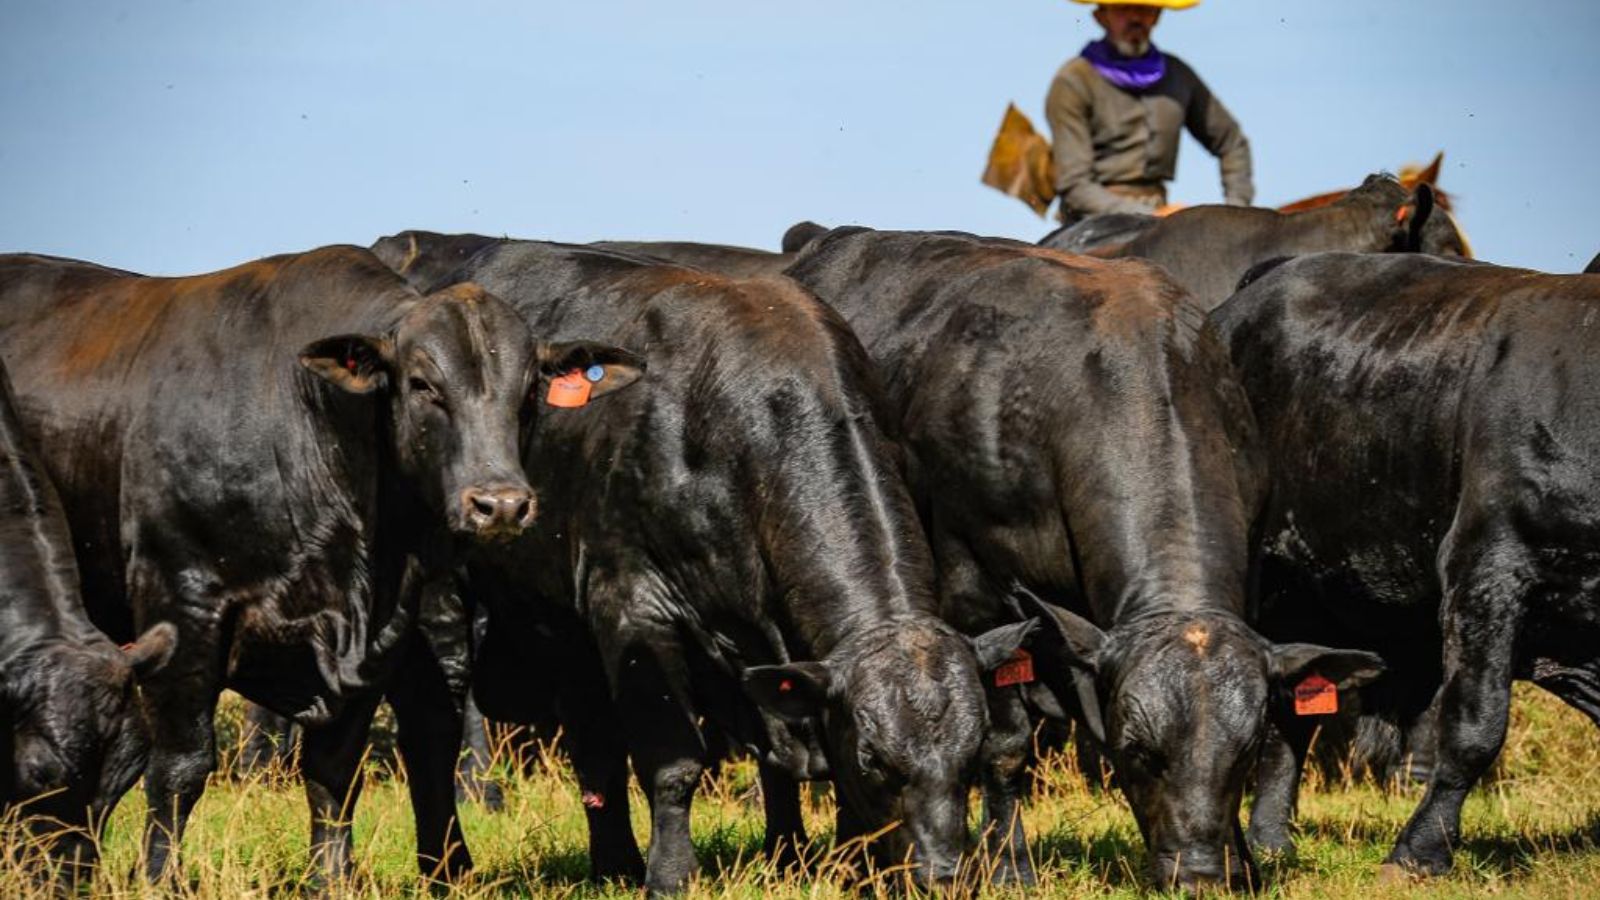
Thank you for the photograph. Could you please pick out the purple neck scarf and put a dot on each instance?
(1129, 73)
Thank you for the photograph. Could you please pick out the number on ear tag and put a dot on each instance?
(1016, 670)
(569, 390)
(1315, 696)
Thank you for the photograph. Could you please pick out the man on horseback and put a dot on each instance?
(1115, 114)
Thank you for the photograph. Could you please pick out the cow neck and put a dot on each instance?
(40, 596)
(864, 561)
(1156, 511)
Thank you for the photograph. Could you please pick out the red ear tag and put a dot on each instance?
(569, 390)
(1016, 670)
(785, 686)
(1315, 696)
(594, 800)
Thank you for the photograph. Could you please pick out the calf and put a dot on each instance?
(741, 520)
(1207, 249)
(1075, 432)
(1435, 494)
(278, 460)
(74, 740)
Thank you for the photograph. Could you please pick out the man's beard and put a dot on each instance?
(1133, 49)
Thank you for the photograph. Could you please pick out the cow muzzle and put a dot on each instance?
(497, 512)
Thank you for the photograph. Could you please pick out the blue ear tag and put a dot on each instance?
(595, 372)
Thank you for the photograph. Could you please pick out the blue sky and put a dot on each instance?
(174, 137)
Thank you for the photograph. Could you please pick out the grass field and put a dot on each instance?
(1529, 833)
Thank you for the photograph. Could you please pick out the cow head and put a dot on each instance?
(1182, 701)
(902, 713)
(464, 378)
(1408, 221)
(78, 739)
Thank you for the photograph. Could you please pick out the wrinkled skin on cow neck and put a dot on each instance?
(743, 507)
(1076, 431)
(1435, 496)
(257, 456)
(1207, 249)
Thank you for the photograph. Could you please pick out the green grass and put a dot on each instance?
(1528, 833)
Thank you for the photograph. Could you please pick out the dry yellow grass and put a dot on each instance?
(1528, 834)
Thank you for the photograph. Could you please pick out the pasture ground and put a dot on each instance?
(1531, 832)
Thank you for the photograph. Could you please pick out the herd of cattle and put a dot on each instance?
(868, 509)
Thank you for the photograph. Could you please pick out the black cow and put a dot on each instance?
(72, 739)
(1207, 249)
(265, 457)
(1432, 427)
(742, 519)
(1075, 431)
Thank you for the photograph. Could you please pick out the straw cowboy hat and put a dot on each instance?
(1164, 4)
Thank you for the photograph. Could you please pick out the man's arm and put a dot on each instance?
(1067, 108)
(1211, 124)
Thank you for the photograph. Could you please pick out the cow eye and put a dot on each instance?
(422, 388)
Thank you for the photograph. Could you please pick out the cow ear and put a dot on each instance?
(1422, 208)
(794, 693)
(1074, 639)
(355, 363)
(153, 650)
(607, 369)
(1347, 669)
(995, 646)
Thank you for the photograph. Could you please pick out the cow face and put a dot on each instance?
(1182, 703)
(463, 375)
(902, 713)
(78, 739)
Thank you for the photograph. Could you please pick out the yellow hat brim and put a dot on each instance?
(1164, 4)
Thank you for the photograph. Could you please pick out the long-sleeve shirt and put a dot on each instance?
(1104, 135)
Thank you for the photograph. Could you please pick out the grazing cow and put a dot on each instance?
(73, 737)
(1076, 433)
(740, 519)
(1207, 249)
(277, 459)
(1435, 494)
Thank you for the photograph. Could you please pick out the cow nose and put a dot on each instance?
(498, 511)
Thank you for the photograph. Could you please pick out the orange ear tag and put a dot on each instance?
(569, 390)
(1315, 696)
(1016, 670)
(1400, 216)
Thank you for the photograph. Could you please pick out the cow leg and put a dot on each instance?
(269, 738)
(473, 782)
(1278, 771)
(330, 764)
(1003, 776)
(429, 723)
(667, 748)
(786, 829)
(1480, 618)
(181, 703)
(590, 727)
